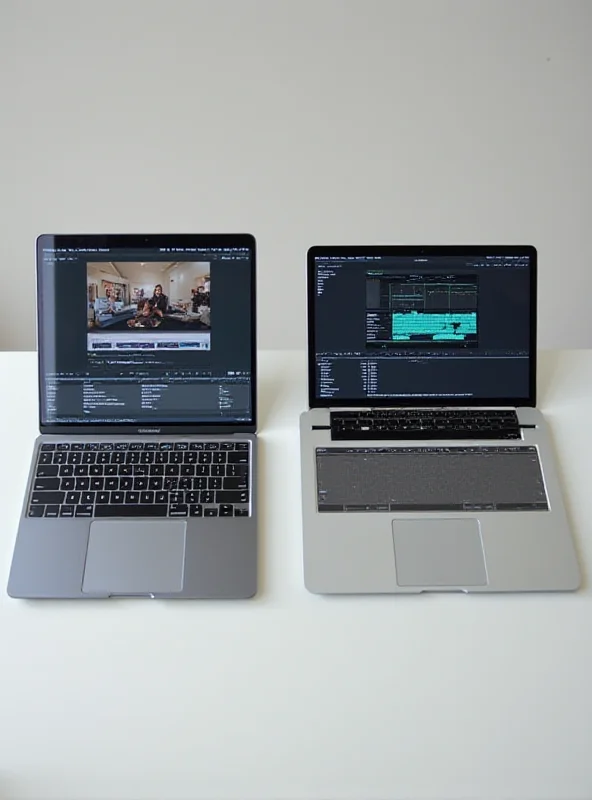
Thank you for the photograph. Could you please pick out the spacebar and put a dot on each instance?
(131, 510)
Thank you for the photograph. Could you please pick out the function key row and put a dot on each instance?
(119, 446)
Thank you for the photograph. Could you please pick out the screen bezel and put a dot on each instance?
(395, 250)
(151, 241)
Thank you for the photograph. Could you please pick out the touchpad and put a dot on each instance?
(439, 552)
(135, 557)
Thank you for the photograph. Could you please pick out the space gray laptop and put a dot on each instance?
(426, 465)
(142, 482)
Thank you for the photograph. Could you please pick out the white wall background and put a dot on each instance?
(304, 122)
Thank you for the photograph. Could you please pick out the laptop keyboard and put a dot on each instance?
(142, 479)
(425, 424)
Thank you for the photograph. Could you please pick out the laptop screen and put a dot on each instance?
(146, 330)
(396, 325)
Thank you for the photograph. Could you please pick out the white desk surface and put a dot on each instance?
(291, 695)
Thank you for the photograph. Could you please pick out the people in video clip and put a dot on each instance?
(159, 301)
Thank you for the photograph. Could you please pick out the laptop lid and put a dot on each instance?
(396, 326)
(147, 334)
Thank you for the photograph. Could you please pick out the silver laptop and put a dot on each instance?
(142, 482)
(426, 465)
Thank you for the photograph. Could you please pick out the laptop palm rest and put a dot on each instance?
(445, 553)
(135, 557)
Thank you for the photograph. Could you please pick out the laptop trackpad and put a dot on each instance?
(135, 557)
(439, 552)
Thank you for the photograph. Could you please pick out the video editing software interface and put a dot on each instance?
(146, 335)
(434, 326)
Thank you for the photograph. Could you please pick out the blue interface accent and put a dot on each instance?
(443, 327)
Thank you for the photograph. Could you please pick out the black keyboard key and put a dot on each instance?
(172, 469)
(67, 511)
(103, 458)
(219, 457)
(185, 483)
(77, 446)
(241, 512)
(176, 497)
(205, 458)
(96, 484)
(214, 483)
(226, 510)
(171, 484)
(186, 470)
(95, 469)
(207, 497)
(161, 497)
(150, 446)
(73, 498)
(74, 458)
(178, 510)
(45, 458)
(91, 446)
(84, 511)
(161, 458)
(236, 470)
(147, 497)
(242, 446)
(156, 469)
(47, 471)
(87, 498)
(166, 445)
(111, 484)
(81, 470)
(103, 497)
(212, 445)
(121, 445)
(67, 484)
(132, 497)
(154, 484)
(175, 458)
(135, 446)
(200, 483)
(110, 470)
(189, 457)
(147, 457)
(226, 496)
(140, 484)
(202, 469)
(52, 511)
(82, 484)
(211, 512)
(235, 483)
(181, 445)
(192, 497)
(46, 484)
(238, 457)
(47, 447)
(36, 511)
(62, 446)
(118, 458)
(89, 458)
(142, 469)
(196, 510)
(131, 511)
(227, 446)
(197, 446)
(218, 470)
(117, 497)
(132, 457)
(60, 458)
(125, 484)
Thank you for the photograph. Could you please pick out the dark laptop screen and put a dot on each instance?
(146, 330)
(421, 326)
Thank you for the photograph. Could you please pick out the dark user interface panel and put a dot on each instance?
(146, 336)
(410, 327)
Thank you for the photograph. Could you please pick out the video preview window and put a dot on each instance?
(153, 305)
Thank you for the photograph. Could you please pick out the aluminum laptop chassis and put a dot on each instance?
(210, 558)
(353, 553)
